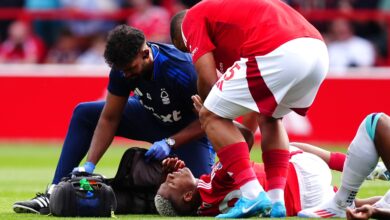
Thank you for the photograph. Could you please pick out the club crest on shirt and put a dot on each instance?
(165, 97)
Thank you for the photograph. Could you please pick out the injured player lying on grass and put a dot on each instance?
(308, 184)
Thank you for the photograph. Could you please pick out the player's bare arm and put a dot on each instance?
(323, 154)
(367, 212)
(192, 132)
(207, 74)
(106, 127)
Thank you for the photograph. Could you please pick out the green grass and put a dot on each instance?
(27, 168)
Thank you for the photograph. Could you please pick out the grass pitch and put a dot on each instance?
(27, 168)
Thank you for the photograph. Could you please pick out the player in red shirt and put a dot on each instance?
(273, 62)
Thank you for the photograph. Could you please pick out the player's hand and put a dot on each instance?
(198, 102)
(88, 167)
(159, 150)
(172, 164)
(361, 213)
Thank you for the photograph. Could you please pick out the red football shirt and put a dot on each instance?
(218, 191)
(245, 28)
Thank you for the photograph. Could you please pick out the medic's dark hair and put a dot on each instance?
(123, 44)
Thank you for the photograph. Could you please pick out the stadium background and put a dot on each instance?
(38, 98)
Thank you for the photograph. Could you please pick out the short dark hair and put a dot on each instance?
(176, 21)
(166, 207)
(123, 44)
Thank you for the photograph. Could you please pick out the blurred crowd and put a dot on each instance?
(351, 42)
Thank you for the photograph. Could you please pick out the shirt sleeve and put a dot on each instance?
(118, 84)
(196, 35)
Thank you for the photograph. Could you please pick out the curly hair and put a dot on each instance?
(123, 44)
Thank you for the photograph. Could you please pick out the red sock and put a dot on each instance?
(336, 161)
(235, 159)
(276, 167)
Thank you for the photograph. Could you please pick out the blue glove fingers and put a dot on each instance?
(159, 150)
(160, 155)
(150, 154)
(163, 150)
(88, 167)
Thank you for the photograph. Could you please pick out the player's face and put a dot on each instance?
(141, 65)
(177, 184)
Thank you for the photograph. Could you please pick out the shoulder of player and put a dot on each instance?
(169, 54)
(173, 64)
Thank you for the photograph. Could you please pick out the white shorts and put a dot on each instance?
(314, 178)
(284, 80)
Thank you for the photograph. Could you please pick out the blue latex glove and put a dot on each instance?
(88, 167)
(159, 150)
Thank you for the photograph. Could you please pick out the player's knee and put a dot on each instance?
(205, 117)
(247, 133)
(375, 123)
(383, 126)
(384, 119)
(80, 109)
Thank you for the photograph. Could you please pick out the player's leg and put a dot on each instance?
(250, 121)
(225, 102)
(286, 79)
(382, 144)
(382, 139)
(361, 160)
(231, 148)
(233, 153)
(276, 155)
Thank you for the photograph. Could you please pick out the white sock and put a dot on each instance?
(276, 195)
(251, 189)
(361, 161)
(50, 188)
